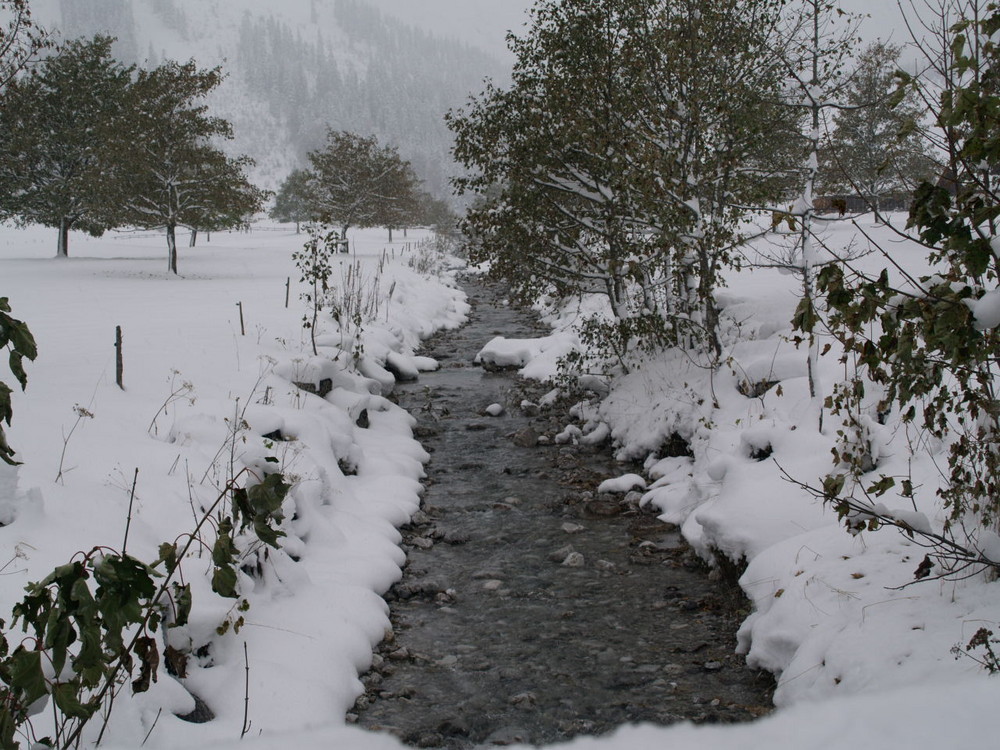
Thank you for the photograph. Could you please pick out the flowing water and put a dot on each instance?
(532, 610)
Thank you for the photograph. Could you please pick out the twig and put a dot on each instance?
(246, 694)
(80, 414)
(131, 499)
(150, 732)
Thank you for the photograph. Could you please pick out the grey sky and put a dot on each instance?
(484, 23)
(481, 23)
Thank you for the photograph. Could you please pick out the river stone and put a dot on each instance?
(632, 499)
(484, 574)
(492, 585)
(560, 554)
(526, 438)
(431, 739)
(574, 560)
(494, 410)
(524, 700)
(530, 409)
(422, 542)
(572, 528)
(508, 736)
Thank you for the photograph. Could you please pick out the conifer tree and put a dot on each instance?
(876, 148)
(291, 202)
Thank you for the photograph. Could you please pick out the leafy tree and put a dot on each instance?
(617, 155)
(356, 182)
(291, 203)
(60, 160)
(931, 344)
(20, 40)
(400, 202)
(436, 213)
(181, 178)
(876, 149)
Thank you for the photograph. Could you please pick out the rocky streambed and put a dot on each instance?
(531, 609)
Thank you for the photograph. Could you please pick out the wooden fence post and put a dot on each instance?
(119, 367)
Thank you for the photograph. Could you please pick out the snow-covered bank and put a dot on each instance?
(960, 715)
(833, 614)
(862, 665)
(202, 401)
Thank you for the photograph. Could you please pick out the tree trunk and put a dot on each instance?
(390, 233)
(172, 248)
(62, 246)
(194, 238)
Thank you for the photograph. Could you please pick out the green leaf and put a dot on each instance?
(224, 582)
(26, 675)
(5, 408)
(168, 556)
(8, 727)
(67, 699)
(224, 550)
(17, 367)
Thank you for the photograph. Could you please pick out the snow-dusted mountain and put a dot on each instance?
(296, 67)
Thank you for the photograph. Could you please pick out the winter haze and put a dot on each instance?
(385, 67)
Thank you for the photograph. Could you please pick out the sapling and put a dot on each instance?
(314, 263)
(182, 392)
(81, 414)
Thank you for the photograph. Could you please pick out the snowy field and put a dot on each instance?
(862, 663)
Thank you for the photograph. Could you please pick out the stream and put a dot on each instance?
(531, 609)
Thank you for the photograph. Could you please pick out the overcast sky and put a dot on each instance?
(484, 23)
(481, 23)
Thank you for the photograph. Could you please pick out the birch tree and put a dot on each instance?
(816, 50)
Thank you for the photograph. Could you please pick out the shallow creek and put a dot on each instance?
(532, 610)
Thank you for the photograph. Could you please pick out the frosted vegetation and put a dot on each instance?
(769, 262)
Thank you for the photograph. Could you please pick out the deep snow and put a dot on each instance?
(861, 663)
